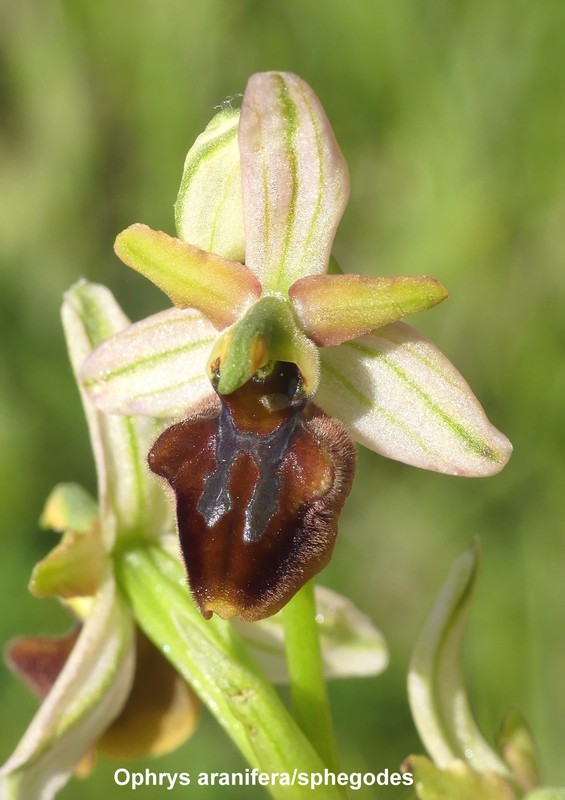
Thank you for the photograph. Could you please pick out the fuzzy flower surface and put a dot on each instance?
(272, 361)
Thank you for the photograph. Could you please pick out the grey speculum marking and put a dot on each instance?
(267, 451)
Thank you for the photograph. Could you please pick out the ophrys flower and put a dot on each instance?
(261, 197)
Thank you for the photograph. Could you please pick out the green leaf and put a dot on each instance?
(400, 396)
(295, 180)
(191, 277)
(208, 210)
(156, 367)
(351, 645)
(436, 686)
(336, 308)
(458, 782)
(88, 694)
(211, 657)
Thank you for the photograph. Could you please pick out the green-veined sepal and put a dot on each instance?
(295, 180)
(400, 396)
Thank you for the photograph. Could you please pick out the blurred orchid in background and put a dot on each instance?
(106, 687)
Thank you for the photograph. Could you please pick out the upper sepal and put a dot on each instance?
(436, 685)
(295, 180)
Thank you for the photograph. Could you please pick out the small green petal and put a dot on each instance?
(69, 507)
(208, 210)
(436, 686)
(457, 782)
(267, 333)
(351, 645)
(191, 277)
(75, 568)
(295, 180)
(336, 308)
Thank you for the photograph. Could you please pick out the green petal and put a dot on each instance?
(351, 645)
(208, 210)
(400, 396)
(131, 499)
(336, 308)
(457, 782)
(87, 696)
(156, 367)
(191, 277)
(436, 687)
(267, 333)
(295, 180)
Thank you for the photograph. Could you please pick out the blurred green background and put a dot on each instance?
(451, 117)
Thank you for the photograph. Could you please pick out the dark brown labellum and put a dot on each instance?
(259, 486)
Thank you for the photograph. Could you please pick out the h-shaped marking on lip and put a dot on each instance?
(267, 451)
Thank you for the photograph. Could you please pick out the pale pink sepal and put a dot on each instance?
(400, 396)
(295, 180)
(155, 368)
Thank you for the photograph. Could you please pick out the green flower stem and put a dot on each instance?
(307, 684)
(210, 655)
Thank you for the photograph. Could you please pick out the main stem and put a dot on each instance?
(307, 684)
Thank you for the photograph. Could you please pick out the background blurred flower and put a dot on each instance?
(105, 686)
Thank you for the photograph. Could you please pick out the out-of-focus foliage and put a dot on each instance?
(451, 117)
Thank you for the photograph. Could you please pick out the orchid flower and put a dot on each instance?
(265, 351)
